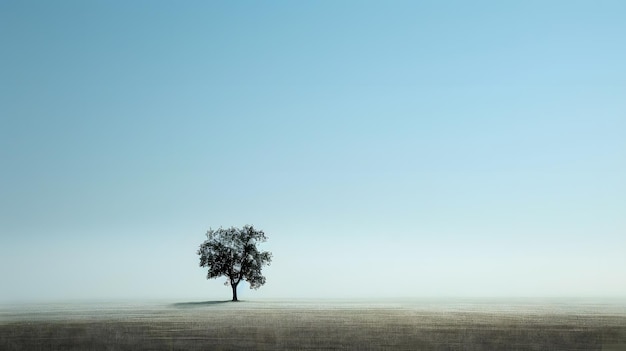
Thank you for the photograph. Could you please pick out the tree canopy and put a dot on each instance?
(233, 253)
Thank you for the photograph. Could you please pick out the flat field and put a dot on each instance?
(316, 325)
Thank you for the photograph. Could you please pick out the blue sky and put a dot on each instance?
(388, 149)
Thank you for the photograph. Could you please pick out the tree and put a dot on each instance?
(233, 253)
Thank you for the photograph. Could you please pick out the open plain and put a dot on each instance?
(316, 325)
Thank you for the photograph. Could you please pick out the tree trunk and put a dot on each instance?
(234, 286)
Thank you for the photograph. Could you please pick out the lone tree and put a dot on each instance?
(233, 253)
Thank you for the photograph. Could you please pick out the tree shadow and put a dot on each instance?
(198, 304)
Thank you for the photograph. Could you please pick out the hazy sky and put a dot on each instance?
(388, 149)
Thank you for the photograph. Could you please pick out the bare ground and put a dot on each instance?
(275, 326)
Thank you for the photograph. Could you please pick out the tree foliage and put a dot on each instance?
(233, 253)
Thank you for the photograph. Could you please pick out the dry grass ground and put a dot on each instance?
(310, 326)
